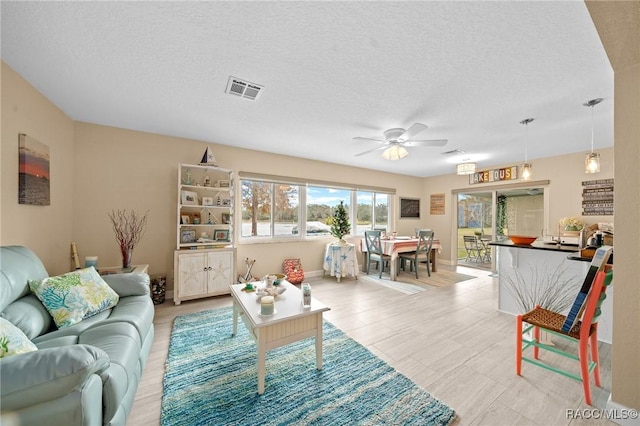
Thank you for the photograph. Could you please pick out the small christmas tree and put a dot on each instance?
(340, 225)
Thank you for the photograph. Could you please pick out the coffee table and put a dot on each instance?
(290, 322)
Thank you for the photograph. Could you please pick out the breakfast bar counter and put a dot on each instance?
(528, 273)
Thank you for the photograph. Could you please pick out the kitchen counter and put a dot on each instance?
(538, 245)
(538, 271)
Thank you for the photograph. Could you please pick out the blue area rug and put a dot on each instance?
(211, 379)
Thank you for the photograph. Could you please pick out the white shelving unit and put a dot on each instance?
(204, 259)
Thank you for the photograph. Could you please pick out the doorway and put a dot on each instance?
(495, 214)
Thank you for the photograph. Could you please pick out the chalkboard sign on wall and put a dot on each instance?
(410, 208)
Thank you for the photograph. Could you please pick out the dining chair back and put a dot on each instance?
(374, 251)
(422, 254)
(417, 230)
(585, 332)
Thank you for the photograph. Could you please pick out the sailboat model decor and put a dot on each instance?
(208, 159)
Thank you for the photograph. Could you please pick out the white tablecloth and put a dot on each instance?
(341, 260)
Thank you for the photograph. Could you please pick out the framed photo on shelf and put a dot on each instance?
(189, 198)
(224, 183)
(187, 236)
(225, 218)
(207, 201)
(185, 219)
(221, 235)
(226, 202)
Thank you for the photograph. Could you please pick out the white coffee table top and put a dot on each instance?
(287, 305)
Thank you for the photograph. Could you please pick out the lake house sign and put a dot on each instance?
(496, 175)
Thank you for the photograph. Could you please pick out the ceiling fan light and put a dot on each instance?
(592, 162)
(526, 171)
(395, 152)
(465, 168)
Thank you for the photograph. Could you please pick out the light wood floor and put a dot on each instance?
(451, 341)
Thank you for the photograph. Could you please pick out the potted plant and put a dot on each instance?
(340, 225)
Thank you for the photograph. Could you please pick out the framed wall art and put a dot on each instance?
(409, 208)
(33, 172)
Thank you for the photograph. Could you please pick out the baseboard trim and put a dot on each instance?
(620, 414)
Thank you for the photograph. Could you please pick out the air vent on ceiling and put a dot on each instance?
(455, 151)
(243, 88)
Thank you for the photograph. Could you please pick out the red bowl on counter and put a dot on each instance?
(522, 239)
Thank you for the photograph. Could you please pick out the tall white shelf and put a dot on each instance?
(204, 258)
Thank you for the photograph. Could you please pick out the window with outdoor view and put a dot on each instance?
(272, 209)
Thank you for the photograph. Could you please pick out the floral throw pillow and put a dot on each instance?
(74, 296)
(13, 341)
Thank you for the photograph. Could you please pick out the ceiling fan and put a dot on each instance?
(395, 141)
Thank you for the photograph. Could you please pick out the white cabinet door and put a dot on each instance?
(220, 272)
(192, 273)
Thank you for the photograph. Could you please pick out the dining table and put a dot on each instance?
(394, 246)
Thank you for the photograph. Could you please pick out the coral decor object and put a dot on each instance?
(293, 270)
(129, 228)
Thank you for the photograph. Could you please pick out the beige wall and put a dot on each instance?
(118, 169)
(48, 230)
(618, 24)
(565, 174)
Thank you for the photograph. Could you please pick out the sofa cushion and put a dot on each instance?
(29, 315)
(74, 296)
(13, 341)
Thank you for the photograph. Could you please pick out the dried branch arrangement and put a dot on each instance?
(129, 228)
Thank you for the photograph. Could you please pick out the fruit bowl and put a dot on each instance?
(522, 239)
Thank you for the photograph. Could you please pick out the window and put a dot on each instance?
(270, 207)
(262, 201)
(372, 211)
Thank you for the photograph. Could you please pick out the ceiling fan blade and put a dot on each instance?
(430, 142)
(367, 139)
(412, 131)
(372, 150)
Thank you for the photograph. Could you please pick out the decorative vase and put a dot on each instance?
(571, 228)
(126, 257)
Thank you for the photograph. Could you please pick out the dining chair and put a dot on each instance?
(417, 230)
(374, 251)
(422, 253)
(584, 332)
(473, 247)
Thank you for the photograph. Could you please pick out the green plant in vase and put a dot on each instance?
(340, 225)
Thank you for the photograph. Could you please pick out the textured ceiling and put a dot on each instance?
(332, 71)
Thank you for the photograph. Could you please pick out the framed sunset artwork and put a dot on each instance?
(33, 172)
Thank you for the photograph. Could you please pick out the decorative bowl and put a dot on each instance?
(522, 239)
(279, 278)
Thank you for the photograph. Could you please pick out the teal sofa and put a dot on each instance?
(85, 374)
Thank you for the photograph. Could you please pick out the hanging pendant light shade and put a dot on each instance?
(526, 173)
(395, 152)
(465, 168)
(592, 159)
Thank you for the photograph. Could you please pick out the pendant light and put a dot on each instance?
(465, 168)
(592, 159)
(526, 167)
